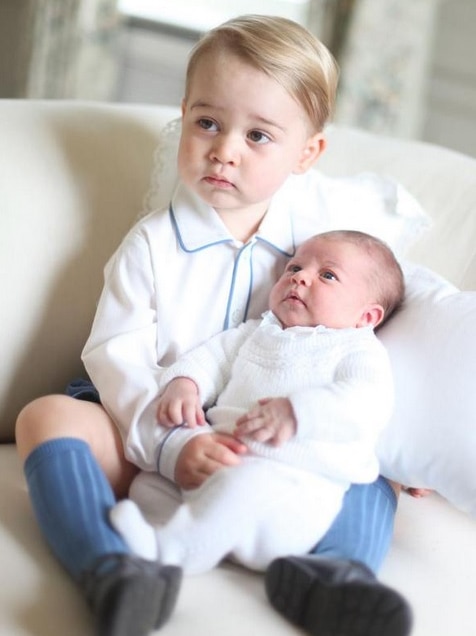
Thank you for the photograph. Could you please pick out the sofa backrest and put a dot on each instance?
(72, 180)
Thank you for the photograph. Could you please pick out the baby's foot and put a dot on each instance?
(139, 535)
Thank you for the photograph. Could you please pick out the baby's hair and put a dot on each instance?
(283, 50)
(386, 276)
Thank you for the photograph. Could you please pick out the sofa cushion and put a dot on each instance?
(72, 179)
(431, 439)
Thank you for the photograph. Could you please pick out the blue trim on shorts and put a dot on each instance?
(83, 389)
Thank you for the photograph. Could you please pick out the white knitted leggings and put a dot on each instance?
(252, 513)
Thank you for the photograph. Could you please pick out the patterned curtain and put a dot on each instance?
(384, 49)
(67, 48)
(330, 21)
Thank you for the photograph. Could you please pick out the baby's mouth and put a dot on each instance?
(293, 297)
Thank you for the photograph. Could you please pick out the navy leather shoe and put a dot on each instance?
(335, 598)
(130, 596)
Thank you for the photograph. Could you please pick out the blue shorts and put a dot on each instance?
(82, 389)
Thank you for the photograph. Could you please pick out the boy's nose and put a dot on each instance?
(225, 150)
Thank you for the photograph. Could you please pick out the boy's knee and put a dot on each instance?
(38, 421)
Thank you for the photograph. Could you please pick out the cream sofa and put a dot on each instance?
(72, 181)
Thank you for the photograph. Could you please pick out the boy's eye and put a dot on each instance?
(258, 137)
(207, 124)
(328, 275)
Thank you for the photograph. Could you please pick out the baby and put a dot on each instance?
(307, 388)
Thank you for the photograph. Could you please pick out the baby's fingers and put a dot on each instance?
(249, 418)
(247, 424)
(255, 429)
(192, 415)
(175, 413)
(262, 434)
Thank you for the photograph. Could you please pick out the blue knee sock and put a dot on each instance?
(71, 498)
(364, 527)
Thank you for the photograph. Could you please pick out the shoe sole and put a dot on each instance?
(140, 604)
(172, 577)
(353, 608)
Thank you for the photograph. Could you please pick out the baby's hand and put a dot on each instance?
(180, 404)
(418, 493)
(272, 420)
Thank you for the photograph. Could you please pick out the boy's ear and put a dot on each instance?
(314, 147)
(183, 106)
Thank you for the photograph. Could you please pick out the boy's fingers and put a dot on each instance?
(229, 443)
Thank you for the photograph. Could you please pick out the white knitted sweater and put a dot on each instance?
(338, 381)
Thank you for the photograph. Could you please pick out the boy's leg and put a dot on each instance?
(71, 497)
(363, 529)
(334, 590)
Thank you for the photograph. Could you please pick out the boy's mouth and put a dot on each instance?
(218, 182)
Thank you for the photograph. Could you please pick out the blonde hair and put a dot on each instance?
(386, 277)
(283, 50)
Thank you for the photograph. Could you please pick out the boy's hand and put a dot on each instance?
(272, 421)
(180, 404)
(203, 455)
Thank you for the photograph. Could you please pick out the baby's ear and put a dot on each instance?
(373, 315)
(314, 147)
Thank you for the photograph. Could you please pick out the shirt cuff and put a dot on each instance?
(172, 446)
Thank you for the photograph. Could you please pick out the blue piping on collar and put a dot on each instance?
(182, 244)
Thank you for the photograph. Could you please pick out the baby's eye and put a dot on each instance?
(258, 137)
(328, 275)
(292, 268)
(207, 124)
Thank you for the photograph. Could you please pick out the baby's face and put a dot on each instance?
(326, 283)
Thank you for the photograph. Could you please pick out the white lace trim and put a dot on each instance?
(164, 171)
